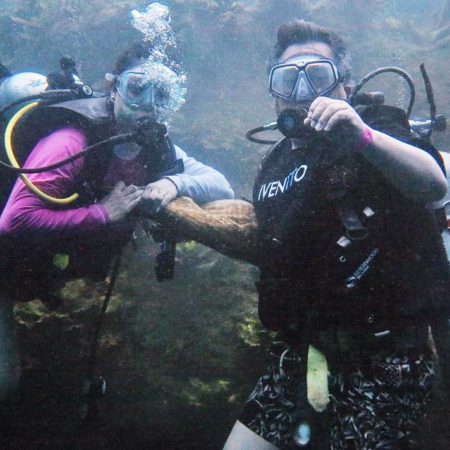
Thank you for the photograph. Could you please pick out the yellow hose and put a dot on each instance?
(13, 161)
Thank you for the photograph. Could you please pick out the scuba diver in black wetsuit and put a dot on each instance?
(354, 267)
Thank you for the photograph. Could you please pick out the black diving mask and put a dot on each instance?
(303, 78)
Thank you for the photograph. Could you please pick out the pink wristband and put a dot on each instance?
(365, 139)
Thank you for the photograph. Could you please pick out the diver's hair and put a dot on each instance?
(301, 31)
(132, 56)
(129, 58)
(136, 54)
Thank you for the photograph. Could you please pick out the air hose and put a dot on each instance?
(14, 165)
(12, 159)
(381, 70)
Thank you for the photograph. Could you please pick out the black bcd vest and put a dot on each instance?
(342, 246)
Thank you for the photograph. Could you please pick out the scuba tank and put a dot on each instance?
(19, 93)
(14, 88)
(19, 86)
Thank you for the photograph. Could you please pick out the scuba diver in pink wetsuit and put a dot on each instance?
(47, 243)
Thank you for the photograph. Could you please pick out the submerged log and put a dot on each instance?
(228, 226)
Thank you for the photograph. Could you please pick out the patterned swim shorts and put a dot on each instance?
(376, 405)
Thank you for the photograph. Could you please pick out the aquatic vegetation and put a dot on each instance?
(188, 246)
(250, 331)
(35, 311)
(199, 393)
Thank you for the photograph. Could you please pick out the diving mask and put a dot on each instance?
(138, 92)
(303, 78)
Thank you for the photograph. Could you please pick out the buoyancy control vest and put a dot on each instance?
(94, 117)
(344, 249)
(38, 260)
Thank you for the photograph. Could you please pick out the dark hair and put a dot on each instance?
(132, 56)
(301, 31)
(136, 54)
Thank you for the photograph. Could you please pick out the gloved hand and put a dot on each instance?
(121, 201)
(157, 195)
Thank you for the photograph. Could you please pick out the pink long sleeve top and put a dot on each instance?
(26, 212)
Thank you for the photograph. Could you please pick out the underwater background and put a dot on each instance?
(180, 357)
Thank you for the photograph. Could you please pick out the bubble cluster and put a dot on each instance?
(168, 78)
(154, 24)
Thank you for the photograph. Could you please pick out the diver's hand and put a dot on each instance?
(121, 201)
(337, 119)
(158, 195)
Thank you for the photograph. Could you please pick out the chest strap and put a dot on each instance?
(339, 196)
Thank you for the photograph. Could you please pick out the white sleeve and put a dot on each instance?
(200, 182)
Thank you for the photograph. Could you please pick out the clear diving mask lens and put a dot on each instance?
(137, 91)
(303, 78)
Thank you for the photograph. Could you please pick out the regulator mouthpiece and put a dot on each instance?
(290, 123)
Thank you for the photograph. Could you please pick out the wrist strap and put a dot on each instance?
(173, 182)
(365, 139)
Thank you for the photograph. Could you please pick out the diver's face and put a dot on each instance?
(295, 53)
(126, 117)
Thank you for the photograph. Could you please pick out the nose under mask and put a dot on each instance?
(303, 89)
